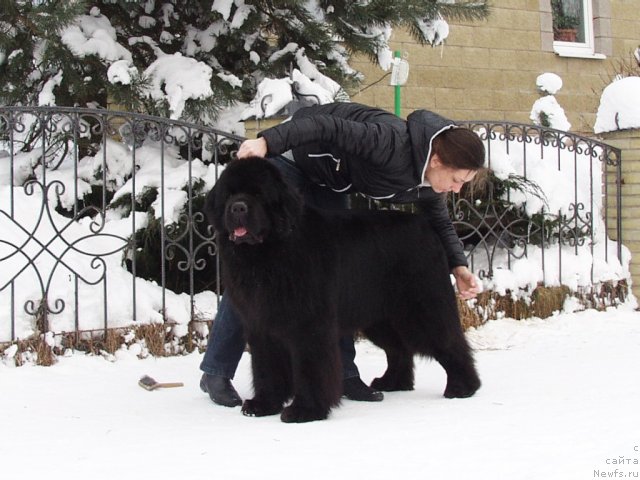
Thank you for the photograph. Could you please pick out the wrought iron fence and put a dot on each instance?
(101, 224)
(581, 208)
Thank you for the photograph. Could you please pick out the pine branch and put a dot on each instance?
(240, 41)
(472, 10)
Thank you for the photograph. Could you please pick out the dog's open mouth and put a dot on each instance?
(242, 235)
(244, 220)
(239, 232)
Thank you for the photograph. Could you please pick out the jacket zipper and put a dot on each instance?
(336, 160)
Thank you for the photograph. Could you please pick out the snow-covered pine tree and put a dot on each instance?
(77, 52)
(33, 61)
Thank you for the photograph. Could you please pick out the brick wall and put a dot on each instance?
(629, 142)
(487, 70)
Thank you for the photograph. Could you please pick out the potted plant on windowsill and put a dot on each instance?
(565, 27)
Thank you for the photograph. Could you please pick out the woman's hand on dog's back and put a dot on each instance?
(255, 147)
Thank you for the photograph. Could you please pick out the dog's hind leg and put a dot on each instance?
(272, 382)
(399, 373)
(437, 333)
(453, 352)
(456, 359)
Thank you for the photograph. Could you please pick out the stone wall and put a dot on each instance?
(487, 70)
(629, 142)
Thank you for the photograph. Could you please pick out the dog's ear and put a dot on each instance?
(214, 216)
(291, 203)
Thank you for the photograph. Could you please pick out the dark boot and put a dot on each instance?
(220, 390)
(355, 389)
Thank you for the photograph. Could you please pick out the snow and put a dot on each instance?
(535, 160)
(146, 21)
(122, 72)
(15, 54)
(174, 78)
(579, 268)
(178, 79)
(308, 87)
(554, 112)
(290, 47)
(619, 106)
(231, 79)
(558, 402)
(341, 56)
(84, 238)
(434, 31)
(240, 16)
(229, 120)
(149, 6)
(273, 95)
(223, 7)
(385, 55)
(46, 96)
(254, 57)
(94, 35)
(203, 40)
(309, 69)
(549, 84)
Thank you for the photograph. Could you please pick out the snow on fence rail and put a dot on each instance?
(101, 223)
(547, 215)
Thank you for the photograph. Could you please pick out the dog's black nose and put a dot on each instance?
(240, 207)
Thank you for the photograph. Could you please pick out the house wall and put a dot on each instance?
(487, 70)
(629, 142)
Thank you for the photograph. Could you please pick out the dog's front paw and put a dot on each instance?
(296, 413)
(387, 384)
(461, 388)
(257, 408)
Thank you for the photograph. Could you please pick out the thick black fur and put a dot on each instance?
(300, 278)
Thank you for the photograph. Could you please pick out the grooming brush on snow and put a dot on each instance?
(149, 383)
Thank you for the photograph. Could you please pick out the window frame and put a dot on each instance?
(596, 30)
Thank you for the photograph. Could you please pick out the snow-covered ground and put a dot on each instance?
(559, 401)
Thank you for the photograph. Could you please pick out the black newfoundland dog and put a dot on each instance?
(300, 278)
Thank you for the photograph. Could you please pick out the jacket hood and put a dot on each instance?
(423, 127)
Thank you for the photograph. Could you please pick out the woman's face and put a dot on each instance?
(446, 179)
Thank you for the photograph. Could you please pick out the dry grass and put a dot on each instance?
(193, 340)
(160, 341)
(154, 336)
(542, 303)
(45, 354)
(157, 338)
(33, 349)
(93, 342)
(469, 317)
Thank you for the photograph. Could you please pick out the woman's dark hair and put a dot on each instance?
(460, 148)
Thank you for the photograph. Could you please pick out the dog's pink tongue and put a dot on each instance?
(240, 232)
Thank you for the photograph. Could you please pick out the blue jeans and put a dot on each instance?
(226, 340)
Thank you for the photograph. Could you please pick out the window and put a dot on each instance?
(573, 28)
(568, 21)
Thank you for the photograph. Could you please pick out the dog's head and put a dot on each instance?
(251, 203)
